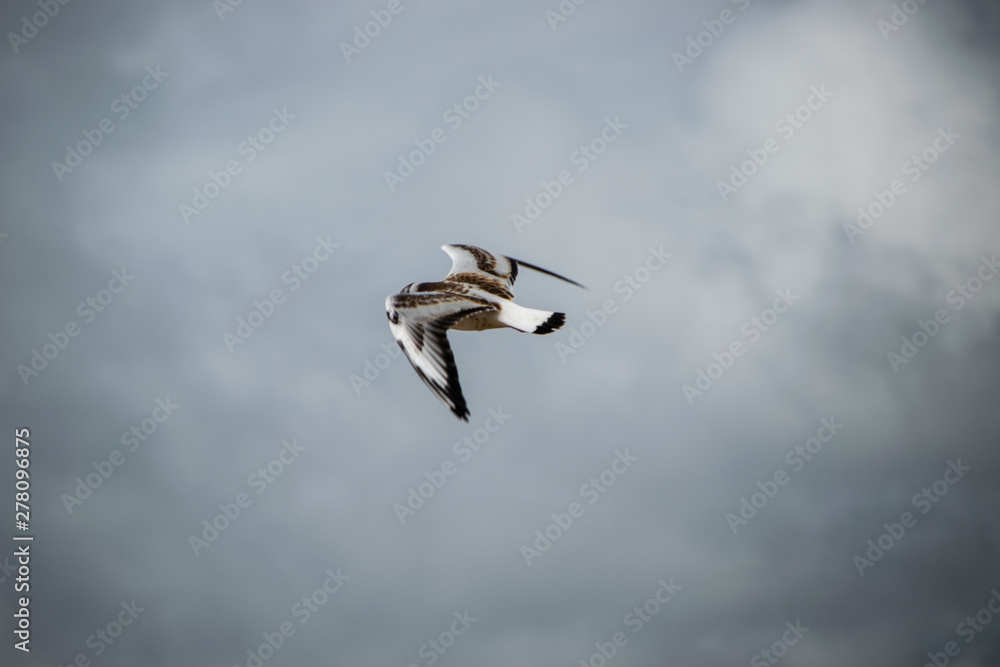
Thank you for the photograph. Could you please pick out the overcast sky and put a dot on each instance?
(766, 434)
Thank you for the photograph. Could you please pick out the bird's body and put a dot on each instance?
(474, 296)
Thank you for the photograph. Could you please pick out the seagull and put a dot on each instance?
(474, 296)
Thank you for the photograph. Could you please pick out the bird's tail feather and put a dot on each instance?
(530, 320)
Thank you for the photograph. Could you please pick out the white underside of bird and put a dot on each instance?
(474, 296)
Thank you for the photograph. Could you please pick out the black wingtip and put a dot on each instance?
(555, 321)
(547, 272)
(459, 407)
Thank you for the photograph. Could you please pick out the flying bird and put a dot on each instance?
(474, 296)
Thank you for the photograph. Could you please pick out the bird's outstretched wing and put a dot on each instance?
(420, 323)
(467, 259)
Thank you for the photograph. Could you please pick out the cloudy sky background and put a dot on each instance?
(366, 445)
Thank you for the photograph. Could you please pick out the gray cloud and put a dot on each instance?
(362, 446)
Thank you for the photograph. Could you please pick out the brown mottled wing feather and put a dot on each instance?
(498, 269)
(420, 323)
